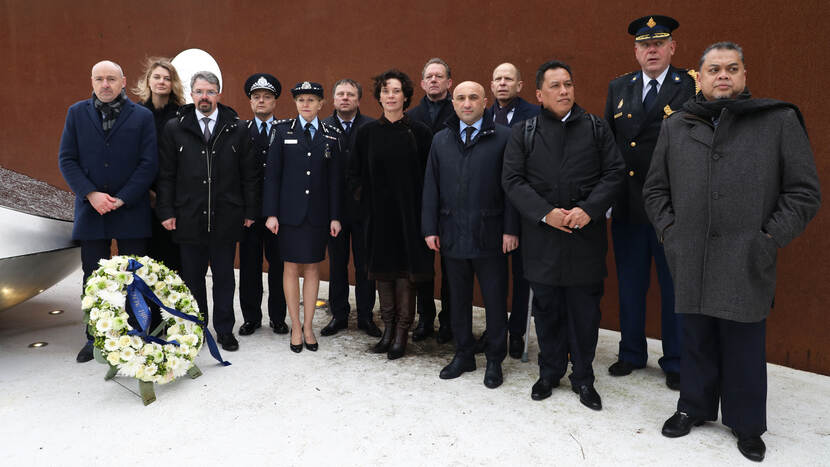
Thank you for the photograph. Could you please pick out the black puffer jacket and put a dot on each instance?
(209, 188)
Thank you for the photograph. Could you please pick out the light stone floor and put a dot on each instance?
(344, 406)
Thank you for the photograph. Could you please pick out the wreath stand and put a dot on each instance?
(146, 389)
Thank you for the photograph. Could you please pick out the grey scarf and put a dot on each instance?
(109, 110)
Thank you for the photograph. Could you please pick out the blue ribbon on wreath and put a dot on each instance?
(137, 290)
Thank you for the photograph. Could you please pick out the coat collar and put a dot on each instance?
(127, 108)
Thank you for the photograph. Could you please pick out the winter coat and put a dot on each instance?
(572, 163)
(209, 188)
(724, 200)
(386, 175)
(122, 163)
(421, 114)
(464, 203)
(349, 208)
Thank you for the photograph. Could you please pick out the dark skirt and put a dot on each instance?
(303, 244)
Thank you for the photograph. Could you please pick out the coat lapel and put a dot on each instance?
(94, 117)
(126, 110)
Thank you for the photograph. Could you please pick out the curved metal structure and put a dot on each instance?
(36, 252)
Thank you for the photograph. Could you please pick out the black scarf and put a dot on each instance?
(109, 110)
(742, 105)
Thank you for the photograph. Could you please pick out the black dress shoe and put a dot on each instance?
(295, 348)
(369, 327)
(334, 325)
(228, 342)
(248, 328)
(457, 367)
(673, 380)
(621, 368)
(492, 375)
(516, 347)
(279, 328)
(444, 334)
(588, 396)
(679, 424)
(422, 331)
(85, 354)
(481, 343)
(542, 389)
(752, 447)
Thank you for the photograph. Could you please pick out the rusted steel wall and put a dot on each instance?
(48, 48)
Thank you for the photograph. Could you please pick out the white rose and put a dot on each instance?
(114, 358)
(87, 302)
(136, 342)
(94, 314)
(150, 369)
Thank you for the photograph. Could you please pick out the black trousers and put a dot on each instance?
(492, 276)
(162, 248)
(364, 290)
(567, 322)
(724, 361)
(195, 261)
(94, 250)
(426, 300)
(254, 239)
(521, 293)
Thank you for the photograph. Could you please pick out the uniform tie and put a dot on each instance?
(207, 129)
(263, 134)
(651, 96)
(308, 132)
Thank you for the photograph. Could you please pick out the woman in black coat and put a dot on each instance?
(301, 203)
(160, 90)
(386, 175)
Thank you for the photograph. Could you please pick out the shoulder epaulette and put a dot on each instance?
(628, 75)
(693, 74)
(331, 127)
(283, 121)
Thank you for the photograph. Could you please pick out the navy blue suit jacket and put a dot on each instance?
(301, 179)
(122, 163)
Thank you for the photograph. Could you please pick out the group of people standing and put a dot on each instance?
(694, 173)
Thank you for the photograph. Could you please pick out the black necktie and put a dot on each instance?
(468, 136)
(348, 128)
(308, 132)
(263, 134)
(651, 96)
(207, 129)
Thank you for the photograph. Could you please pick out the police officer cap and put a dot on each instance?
(652, 27)
(307, 87)
(263, 81)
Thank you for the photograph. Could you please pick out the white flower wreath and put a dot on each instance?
(104, 301)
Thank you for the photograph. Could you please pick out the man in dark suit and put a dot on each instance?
(108, 158)
(467, 218)
(433, 111)
(510, 109)
(348, 119)
(209, 189)
(263, 90)
(562, 176)
(636, 106)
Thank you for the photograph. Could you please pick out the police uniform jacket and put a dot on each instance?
(521, 112)
(567, 167)
(349, 208)
(713, 195)
(210, 188)
(121, 162)
(421, 114)
(636, 132)
(463, 201)
(303, 180)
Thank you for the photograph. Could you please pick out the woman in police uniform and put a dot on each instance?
(301, 204)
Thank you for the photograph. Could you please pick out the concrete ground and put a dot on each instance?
(344, 406)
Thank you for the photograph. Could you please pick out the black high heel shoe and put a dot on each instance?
(311, 347)
(295, 348)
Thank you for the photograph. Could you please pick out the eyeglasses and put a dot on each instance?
(199, 92)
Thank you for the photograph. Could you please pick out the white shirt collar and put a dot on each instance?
(660, 79)
(314, 123)
(259, 122)
(212, 117)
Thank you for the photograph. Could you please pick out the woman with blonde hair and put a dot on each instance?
(160, 90)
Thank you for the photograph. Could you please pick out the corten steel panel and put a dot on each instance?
(48, 48)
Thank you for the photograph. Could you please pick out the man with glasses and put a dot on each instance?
(263, 90)
(209, 188)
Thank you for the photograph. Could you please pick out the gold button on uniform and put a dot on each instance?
(306, 192)
(633, 144)
(630, 173)
(629, 115)
(308, 172)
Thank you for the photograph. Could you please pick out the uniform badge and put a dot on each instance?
(327, 154)
(618, 115)
(668, 111)
(651, 23)
(693, 74)
(306, 85)
(676, 78)
(619, 106)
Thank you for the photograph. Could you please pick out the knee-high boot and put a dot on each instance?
(405, 311)
(386, 294)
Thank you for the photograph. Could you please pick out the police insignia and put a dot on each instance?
(306, 85)
(668, 111)
(693, 74)
(619, 106)
(651, 23)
